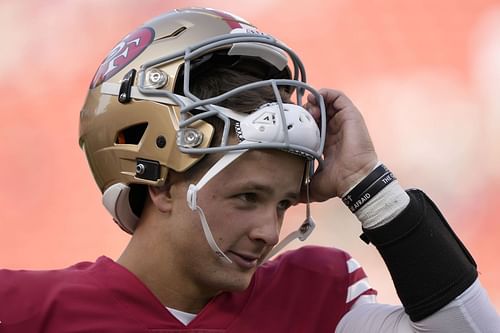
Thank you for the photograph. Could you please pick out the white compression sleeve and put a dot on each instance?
(470, 312)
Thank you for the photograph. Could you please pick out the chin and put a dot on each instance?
(237, 287)
(237, 282)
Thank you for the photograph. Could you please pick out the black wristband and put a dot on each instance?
(372, 190)
(428, 263)
(356, 192)
(379, 178)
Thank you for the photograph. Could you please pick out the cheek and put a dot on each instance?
(221, 218)
(228, 223)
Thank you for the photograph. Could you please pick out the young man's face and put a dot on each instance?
(244, 206)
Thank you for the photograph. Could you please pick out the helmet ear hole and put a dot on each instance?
(137, 198)
(131, 135)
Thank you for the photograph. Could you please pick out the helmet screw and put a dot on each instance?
(140, 169)
(192, 137)
(161, 141)
(122, 98)
(156, 78)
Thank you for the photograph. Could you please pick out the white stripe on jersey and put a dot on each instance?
(357, 288)
(352, 265)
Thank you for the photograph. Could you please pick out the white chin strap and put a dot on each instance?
(193, 189)
(302, 233)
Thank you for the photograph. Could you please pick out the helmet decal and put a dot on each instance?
(237, 24)
(123, 53)
(231, 19)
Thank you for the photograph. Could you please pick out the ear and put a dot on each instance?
(161, 197)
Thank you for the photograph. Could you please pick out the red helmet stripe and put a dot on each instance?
(232, 21)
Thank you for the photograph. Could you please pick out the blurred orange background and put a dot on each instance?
(424, 73)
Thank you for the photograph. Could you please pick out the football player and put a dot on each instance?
(201, 131)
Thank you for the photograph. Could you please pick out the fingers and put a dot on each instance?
(335, 101)
(311, 99)
(312, 107)
(330, 96)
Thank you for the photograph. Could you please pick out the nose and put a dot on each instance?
(267, 228)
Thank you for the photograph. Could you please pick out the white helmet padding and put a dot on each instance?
(281, 123)
(116, 201)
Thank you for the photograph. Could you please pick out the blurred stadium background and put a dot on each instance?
(424, 73)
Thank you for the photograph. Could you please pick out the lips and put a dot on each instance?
(244, 260)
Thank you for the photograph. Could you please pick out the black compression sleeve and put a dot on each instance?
(428, 263)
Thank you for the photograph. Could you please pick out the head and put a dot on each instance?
(187, 93)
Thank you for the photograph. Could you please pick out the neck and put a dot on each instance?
(158, 270)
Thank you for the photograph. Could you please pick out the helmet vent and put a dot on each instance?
(178, 32)
(131, 135)
(174, 34)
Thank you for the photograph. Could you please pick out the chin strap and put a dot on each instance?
(193, 189)
(301, 234)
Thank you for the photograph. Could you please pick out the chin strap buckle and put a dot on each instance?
(306, 228)
(191, 196)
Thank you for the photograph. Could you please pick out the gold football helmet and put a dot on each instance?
(138, 119)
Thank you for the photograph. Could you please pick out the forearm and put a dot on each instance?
(428, 263)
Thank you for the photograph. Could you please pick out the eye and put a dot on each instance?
(248, 197)
(284, 205)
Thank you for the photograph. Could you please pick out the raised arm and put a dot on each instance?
(434, 274)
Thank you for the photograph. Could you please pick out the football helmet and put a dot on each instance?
(140, 118)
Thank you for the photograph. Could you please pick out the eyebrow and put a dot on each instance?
(269, 189)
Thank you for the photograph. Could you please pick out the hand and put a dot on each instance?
(349, 154)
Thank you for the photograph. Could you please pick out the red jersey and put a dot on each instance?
(304, 290)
